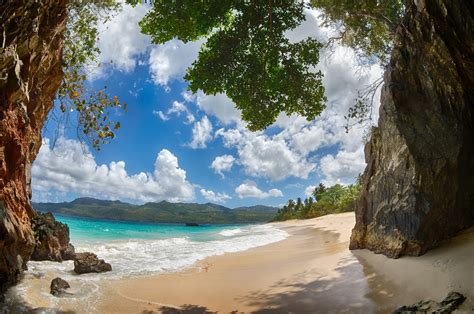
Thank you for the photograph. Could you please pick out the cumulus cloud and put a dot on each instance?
(309, 190)
(176, 108)
(70, 167)
(202, 133)
(219, 106)
(121, 41)
(249, 189)
(215, 197)
(266, 156)
(343, 168)
(169, 61)
(222, 164)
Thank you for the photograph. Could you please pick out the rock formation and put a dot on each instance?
(448, 305)
(58, 287)
(418, 187)
(31, 41)
(89, 263)
(51, 239)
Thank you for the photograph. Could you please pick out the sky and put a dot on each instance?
(183, 147)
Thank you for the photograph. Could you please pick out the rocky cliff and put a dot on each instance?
(31, 39)
(418, 187)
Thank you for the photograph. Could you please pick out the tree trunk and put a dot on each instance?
(418, 187)
(31, 39)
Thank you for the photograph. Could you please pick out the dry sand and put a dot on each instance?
(312, 271)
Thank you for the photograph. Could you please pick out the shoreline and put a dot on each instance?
(312, 270)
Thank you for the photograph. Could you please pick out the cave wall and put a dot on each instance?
(418, 187)
(31, 39)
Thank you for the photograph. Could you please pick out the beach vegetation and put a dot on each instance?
(323, 201)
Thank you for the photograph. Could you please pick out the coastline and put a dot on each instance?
(310, 271)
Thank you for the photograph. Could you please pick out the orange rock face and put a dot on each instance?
(31, 39)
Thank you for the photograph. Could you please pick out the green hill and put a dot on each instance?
(162, 212)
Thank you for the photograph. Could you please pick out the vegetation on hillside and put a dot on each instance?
(324, 200)
(162, 212)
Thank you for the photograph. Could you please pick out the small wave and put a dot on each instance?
(230, 232)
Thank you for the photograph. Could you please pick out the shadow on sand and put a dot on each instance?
(356, 289)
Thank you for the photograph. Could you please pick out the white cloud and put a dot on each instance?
(309, 190)
(220, 106)
(161, 115)
(215, 197)
(266, 156)
(169, 61)
(202, 133)
(342, 168)
(70, 167)
(223, 163)
(249, 189)
(121, 41)
(176, 108)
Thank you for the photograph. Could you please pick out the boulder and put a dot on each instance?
(89, 263)
(51, 239)
(448, 305)
(58, 287)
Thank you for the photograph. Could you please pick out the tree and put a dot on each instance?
(93, 108)
(247, 55)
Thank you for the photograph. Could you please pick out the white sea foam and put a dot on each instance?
(137, 257)
(142, 257)
(230, 232)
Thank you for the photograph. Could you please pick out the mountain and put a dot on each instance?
(162, 212)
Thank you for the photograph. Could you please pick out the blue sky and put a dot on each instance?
(176, 146)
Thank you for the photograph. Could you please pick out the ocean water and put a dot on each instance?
(134, 250)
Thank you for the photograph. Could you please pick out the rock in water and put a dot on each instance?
(52, 239)
(89, 263)
(418, 187)
(30, 74)
(58, 286)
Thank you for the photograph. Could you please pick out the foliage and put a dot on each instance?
(163, 212)
(324, 201)
(367, 26)
(93, 108)
(247, 55)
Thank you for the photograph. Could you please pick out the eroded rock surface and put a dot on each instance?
(31, 42)
(418, 187)
(89, 263)
(51, 239)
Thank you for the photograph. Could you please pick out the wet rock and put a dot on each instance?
(30, 74)
(89, 263)
(448, 305)
(58, 287)
(52, 239)
(418, 187)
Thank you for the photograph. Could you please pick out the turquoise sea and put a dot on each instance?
(133, 250)
(138, 249)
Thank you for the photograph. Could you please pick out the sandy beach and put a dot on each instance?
(311, 271)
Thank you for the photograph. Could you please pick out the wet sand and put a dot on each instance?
(311, 271)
